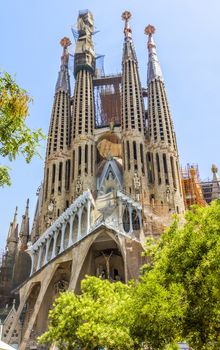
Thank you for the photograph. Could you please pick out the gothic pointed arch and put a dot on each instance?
(110, 178)
(104, 258)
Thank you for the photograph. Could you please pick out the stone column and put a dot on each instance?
(130, 219)
(120, 216)
(32, 254)
(79, 224)
(46, 253)
(39, 257)
(88, 216)
(71, 233)
(54, 244)
(140, 218)
(62, 238)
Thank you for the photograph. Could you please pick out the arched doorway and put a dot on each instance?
(104, 259)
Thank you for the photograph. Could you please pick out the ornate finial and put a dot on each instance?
(126, 15)
(214, 169)
(65, 42)
(149, 30)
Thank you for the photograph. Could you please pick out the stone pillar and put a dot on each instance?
(120, 214)
(32, 263)
(140, 218)
(46, 253)
(71, 233)
(88, 216)
(55, 234)
(130, 219)
(62, 238)
(79, 224)
(39, 258)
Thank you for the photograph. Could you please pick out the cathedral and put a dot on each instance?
(111, 179)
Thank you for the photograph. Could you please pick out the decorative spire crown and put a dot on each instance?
(65, 42)
(154, 70)
(63, 77)
(126, 15)
(214, 169)
(150, 30)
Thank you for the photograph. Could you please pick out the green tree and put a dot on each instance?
(185, 264)
(100, 317)
(15, 136)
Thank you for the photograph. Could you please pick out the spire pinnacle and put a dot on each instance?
(65, 42)
(27, 207)
(12, 238)
(150, 30)
(15, 215)
(214, 169)
(126, 15)
(24, 230)
(154, 70)
(27, 204)
(63, 77)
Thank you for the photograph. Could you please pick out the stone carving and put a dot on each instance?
(51, 210)
(137, 186)
(79, 186)
(61, 286)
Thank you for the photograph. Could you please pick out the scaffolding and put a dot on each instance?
(107, 90)
(191, 184)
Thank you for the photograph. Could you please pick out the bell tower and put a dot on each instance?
(57, 163)
(133, 132)
(162, 158)
(83, 110)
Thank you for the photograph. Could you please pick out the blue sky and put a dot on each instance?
(188, 45)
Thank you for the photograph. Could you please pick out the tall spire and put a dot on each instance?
(83, 117)
(129, 50)
(63, 81)
(154, 69)
(162, 160)
(58, 138)
(132, 113)
(57, 163)
(12, 238)
(160, 123)
(13, 224)
(24, 230)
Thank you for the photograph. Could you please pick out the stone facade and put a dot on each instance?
(106, 187)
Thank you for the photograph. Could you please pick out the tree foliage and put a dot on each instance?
(185, 274)
(177, 297)
(15, 136)
(100, 317)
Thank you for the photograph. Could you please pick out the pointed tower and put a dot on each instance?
(57, 163)
(162, 158)
(24, 230)
(83, 111)
(215, 183)
(132, 117)
(12, 239)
